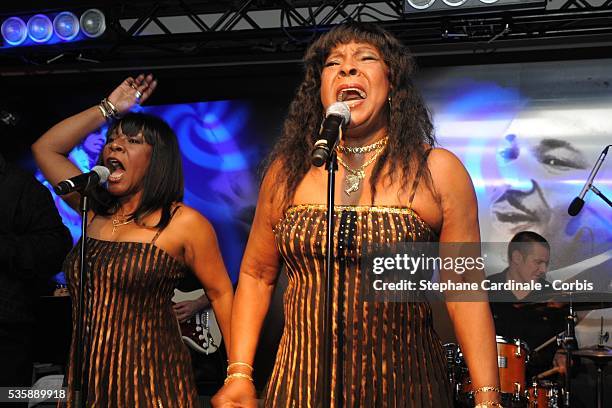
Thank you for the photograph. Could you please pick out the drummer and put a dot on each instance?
(528, 260)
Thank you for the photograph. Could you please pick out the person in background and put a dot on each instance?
(529, 258)
(33, 244)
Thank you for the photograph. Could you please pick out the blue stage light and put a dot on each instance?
(93, 23)
(14, 30)
(40, 28)
(66, 25)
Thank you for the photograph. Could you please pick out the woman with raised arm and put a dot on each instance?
(142, 240)
(393, 187)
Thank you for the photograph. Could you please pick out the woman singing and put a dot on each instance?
(142, 240)
(393, 186)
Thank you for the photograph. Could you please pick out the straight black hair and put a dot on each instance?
(163, 181)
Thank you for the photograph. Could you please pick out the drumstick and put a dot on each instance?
(547, 342)
(548, 373)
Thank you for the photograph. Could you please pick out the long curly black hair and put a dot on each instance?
(410, 127)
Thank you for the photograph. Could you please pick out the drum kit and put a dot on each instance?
(513, 359)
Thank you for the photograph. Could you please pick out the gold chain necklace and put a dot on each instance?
(352, 181)
(363, 149)
(118, 222)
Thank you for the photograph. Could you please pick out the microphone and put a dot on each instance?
(83, 182)
(578, 202)
(337, 116)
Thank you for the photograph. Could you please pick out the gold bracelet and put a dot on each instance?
(113, 108)
(106, 115)
(237, 375)
(487, 388)
(240, 363)
(486, 404)
(110, 109)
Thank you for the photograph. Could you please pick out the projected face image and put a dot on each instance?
(94, 143)
(540, 165)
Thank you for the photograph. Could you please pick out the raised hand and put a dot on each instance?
(132, 91)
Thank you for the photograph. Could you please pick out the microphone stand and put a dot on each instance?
(600, 194)
(567, 340)
(331, 398)
(594, 172)
(80, 381)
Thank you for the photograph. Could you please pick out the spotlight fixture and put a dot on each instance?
(452, 6)
(66, 25)
(419, 4)
(14, 31)
(40, 28)
(93, 23)
(52, 28)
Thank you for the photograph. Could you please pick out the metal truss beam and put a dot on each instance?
(174, 32)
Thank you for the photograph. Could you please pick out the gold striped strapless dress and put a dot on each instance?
(134, 354)
(392, 356)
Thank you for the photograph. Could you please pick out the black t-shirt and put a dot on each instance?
(533, 326)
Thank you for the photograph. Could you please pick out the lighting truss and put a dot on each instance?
(170, 33)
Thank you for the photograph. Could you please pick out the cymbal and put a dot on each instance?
(595, 353)
(558, 300)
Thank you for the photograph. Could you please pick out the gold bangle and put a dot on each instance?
(485, 404)
(110, 109)
(113, 108)
(487, 388)
(106, 115)
(237, 375)
(239, 363)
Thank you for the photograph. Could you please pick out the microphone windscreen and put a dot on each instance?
(339, 109)
(102, 172)
(575, 206)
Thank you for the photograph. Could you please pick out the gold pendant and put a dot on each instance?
(353, 181)
(115, 225)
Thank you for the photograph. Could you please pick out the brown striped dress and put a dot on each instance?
(392, 356)
(134, 355)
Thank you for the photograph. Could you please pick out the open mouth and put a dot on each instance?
(351, 95)
(515, 217)
(117, 169)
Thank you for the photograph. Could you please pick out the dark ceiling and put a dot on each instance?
(215, 35)
(231, 54)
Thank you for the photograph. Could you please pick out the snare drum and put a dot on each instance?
(544, 394)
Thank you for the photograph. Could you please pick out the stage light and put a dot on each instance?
(66, 25)
(452, 6)
(14, 30)
(419, 4)
(93, 23)
(40, 28)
